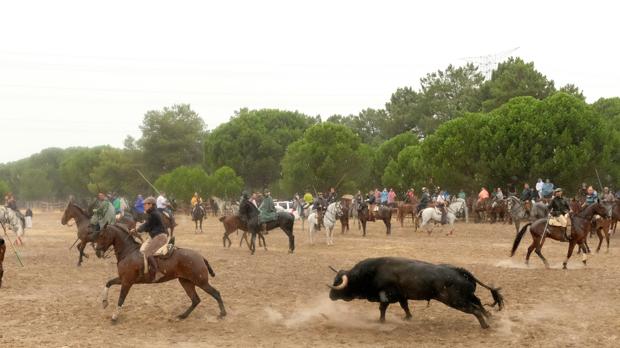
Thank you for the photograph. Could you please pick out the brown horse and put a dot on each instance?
(84, 232)
(2, 251)
(184, 264)
(232, 223)
(481, 208)
(384, 214)
(404, 210)
(602, 226)
(615, 216)
(580, 225)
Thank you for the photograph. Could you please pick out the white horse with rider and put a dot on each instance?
(332, 214)
(458, 206)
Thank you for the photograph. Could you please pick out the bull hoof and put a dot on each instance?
(564, 266)
(104, 304)
(221, 316)
(484, 325)
(408, 317)
(290, 251)
(182, 316)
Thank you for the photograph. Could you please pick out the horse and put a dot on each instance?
(84, 231)
(615, 216)
(497, 210)
(481, 208)
(384, 213)
(284, 220)
(517, 211)
(432, 213)
(580, 225)
(187, 265)
(404, 210)
(333, 212)
(199, 213)
(459, 208)
(233, 223)
(15, 222)
(602, 226)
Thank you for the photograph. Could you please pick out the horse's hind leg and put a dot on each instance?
(261, 239)
(539, 253)
(529, 252)
(599, 233)
(216, 295)
(80, 248)
(190, 290)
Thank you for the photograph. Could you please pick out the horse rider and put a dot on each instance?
(424, 200)
(547, 189)
(267, 210)
(461, 194)
(608, 196)
(559, 210)
(371, 200)
(245, 206)
(441, 205)
(583, 191)
(591, 197)
(138, 205)
(498, 195)
(103, 213)
(154, 226)
(164, 206)
(483, 195)
(526, 194)
(319, 203)
(332, 196)
(196, 199)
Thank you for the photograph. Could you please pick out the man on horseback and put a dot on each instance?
(424, 200)
(164, 207)
(591, 197)
(245, 207)
(441, 205)
(559, 210)
(267, 210)
(371, 202)
(332, 196)
(103, 213)
(196, 199)
(154, 226)
(483, 195)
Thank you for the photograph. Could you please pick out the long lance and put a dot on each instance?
(545, 230)
(11, 243)
(600, 184)
(147, 181)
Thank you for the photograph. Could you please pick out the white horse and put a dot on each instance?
(332, 213)
(434, 214)
(8, 217)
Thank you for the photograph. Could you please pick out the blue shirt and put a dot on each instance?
(591, 199)
(384, 196)
(139, 205)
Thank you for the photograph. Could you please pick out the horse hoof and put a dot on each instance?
(104, 304)
(181, 316)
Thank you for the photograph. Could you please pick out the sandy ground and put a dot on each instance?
(277, 299)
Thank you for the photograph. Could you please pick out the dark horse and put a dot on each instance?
(580, 226)
(184, 264)
(233, 223)
(284, 220)
(84, 232)
(384, 214)
(345, 204)
(199, 213)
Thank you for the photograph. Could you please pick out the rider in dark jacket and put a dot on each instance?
(424, 200)
(245, 208)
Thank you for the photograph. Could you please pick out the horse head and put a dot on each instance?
(103, 239)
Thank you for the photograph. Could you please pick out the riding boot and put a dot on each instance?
(152, 268)
(566, 234)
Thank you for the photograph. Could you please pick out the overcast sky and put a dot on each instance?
(74, 74)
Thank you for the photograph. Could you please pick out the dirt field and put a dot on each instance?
(277, 299)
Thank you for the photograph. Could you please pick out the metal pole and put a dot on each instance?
(600, 184)
(545, 230)
(11, 243)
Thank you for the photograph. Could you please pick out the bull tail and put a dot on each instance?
(211, 272)
(498, 299)
(518, 238)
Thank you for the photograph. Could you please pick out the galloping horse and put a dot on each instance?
(82, 220)
(580, 225)
(184, 264)
(284, 220)
(199, 213)
(384, 214)
(406, 209)
(432, 213)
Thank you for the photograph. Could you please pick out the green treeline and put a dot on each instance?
(457, 130)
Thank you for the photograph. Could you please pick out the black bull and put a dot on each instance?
(389, 280)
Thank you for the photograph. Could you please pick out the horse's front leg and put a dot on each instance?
(253, 243)
(81, 248)
(106, 288)
(121, 299)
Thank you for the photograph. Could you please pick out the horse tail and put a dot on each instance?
(211, 272)
(518, 238)
(495, 292)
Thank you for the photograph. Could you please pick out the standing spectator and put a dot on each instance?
(462, 194)
(377, 196)
(391, 199)
(526, 194)
(384, 196)
(608, 197)
(28, 218)
(547, 189)
(138, 205)
(539, 187)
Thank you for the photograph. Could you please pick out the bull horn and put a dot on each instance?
(345, 281)
(333, 269)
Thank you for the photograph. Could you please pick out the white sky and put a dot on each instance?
(77, 74)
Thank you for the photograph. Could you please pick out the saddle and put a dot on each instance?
(558, 221)
(166, 251)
